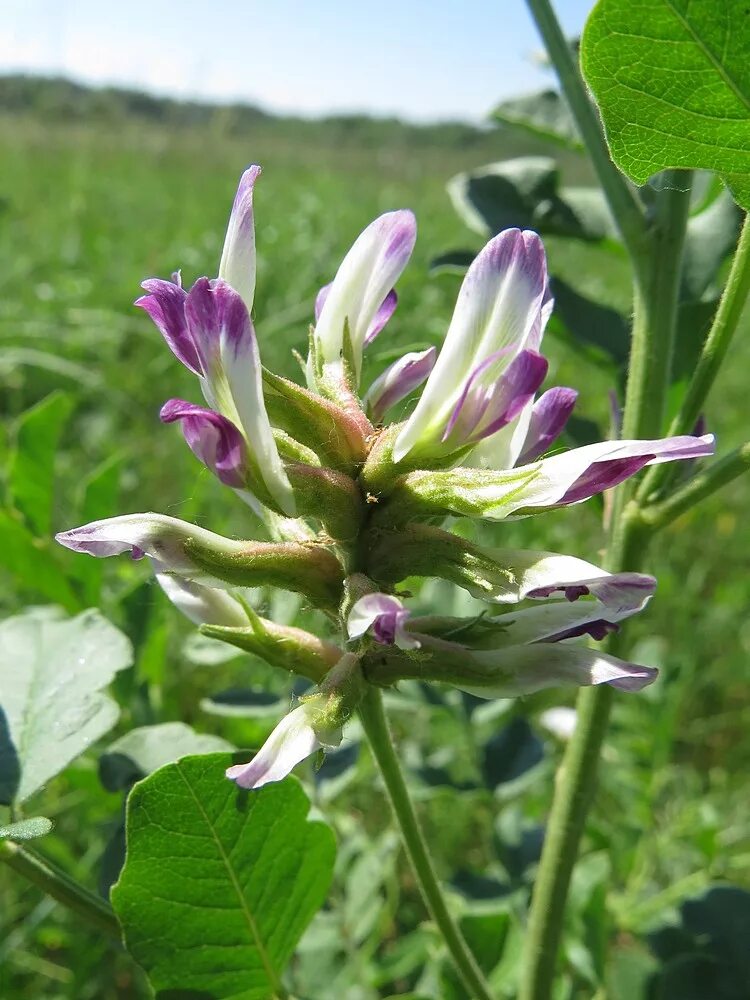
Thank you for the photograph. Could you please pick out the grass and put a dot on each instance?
(86, 213)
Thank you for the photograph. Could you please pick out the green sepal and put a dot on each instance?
(308, 569)
(337, 436)
(283, 646)
(330, 496)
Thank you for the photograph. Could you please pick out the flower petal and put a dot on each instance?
(165, 304)
(360, 292)
(291, 742)
(237, 265)
(521, 670)
(503, 304)
(202, 605)
(212, 438)
(616, 597)
(398, 381)
(385, 615)
(483, 409)
(220, 326)
(549, 415)
(160, 537)
(580, 473)
(381, 317)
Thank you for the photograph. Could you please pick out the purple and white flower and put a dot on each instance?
(384, 616)
(360, 300)
(210, 331)
(489, 367)
(295, 738)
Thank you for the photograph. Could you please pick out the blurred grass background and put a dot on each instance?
(99, 191)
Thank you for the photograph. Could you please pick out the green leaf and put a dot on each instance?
(32, 465)
(544, 114)
(26, 829)
(711, 236)
(219, 883)
(52, 671)
(672, 80)
(597, 330)
(147, 748)
(525, 192)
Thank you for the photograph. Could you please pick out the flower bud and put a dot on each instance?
(337, 435)
(195, 554)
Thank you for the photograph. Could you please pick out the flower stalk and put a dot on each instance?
(375, 725)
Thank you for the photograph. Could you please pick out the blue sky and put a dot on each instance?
(418, 59)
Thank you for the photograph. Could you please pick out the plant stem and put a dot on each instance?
(375, 724)
(655, 310)
(658, 516)
(60, 886)
(574, 789)
(623, 202)
(714, 350)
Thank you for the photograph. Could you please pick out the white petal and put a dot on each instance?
(498, 308)
(366, 276)
(525, 669)
(237, 265)
(291, 742)
(202, 605)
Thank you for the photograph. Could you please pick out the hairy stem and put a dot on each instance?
(658, 516)
(375, 724)
(623, 202)
(712, 355)
(60, 886)
(655, 310)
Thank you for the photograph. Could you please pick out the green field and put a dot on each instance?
(90, 207)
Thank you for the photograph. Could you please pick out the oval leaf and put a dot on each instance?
(52, 671)
(672, 80)
(219, 883)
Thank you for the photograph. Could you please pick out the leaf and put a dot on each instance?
(525, 192)
(672, 80)
(711, 236)
(52, 672)
(219, 883)
(511, 753)
(32, 465)
(26, 829)
(544, 114)
(32, 563)
(586, 325)
(147, 748)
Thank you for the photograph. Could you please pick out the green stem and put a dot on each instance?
(60, 886)
(375, 724)
(714, 351)
(655, 310)
(658, 516)
(623, 202)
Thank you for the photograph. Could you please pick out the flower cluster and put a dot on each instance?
(352, 505)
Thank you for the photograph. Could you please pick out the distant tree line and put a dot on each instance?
(60, 99)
